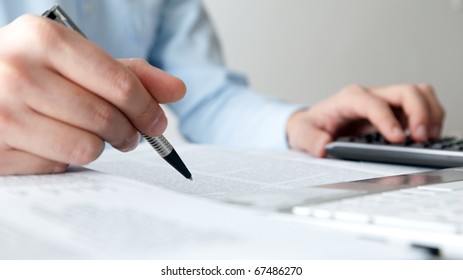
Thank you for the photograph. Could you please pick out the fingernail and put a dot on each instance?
(320, 149)
(132, 142)
(158, 125)
(421, 132)
(135, 141)
(320, 146)
(435, 131)
(398, 132)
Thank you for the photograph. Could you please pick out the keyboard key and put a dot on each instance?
(415, 224)
(302, 210)
(416, 191)
(351, 217)
(322, 213)
(445, 187)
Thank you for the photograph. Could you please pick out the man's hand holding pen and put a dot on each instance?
(62, 97)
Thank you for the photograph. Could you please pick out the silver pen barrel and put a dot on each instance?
(168, 153)
(159, 144)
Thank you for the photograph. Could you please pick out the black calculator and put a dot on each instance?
(441, 153)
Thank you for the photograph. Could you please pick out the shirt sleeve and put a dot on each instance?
(219, 107)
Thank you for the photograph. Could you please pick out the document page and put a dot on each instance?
(266, 179)
(85, 214)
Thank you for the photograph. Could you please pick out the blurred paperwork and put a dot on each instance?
(86, 214)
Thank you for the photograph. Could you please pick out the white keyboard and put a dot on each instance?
(435, 207)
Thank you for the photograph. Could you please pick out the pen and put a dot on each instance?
(159, 143)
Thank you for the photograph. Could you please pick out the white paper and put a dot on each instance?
(89, 215)
(264, 178)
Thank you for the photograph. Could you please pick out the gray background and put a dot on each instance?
(307, 50)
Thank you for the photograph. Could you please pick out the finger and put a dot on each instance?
(305, 136)
(51, 139)
(84, 63)
(414, 105)
(317, 141)
(15, 162)
(437, 112)
(163, 89)
(67, 102)
(362, 104)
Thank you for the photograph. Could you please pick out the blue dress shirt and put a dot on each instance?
(178, 37)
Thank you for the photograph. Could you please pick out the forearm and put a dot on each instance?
(237, 116)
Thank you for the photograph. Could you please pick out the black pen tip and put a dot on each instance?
(176, 162)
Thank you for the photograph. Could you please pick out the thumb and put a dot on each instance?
(316, 140)
(305, 136)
